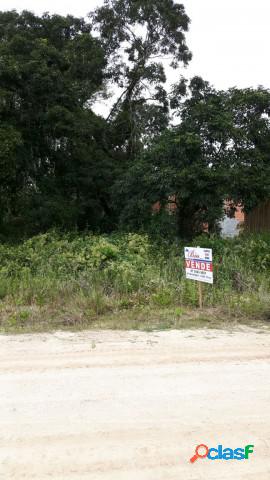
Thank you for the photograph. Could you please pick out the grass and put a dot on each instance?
(74, 282)
(45, 319)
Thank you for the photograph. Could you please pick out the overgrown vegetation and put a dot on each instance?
(73, 281)
(64, 166)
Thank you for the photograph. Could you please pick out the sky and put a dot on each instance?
(229, 38)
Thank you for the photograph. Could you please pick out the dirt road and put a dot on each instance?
(133, 405)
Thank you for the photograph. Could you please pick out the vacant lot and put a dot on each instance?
(133, 405)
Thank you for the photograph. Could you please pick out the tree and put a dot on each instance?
(249, 149)
(146, 32)
(220, 150)
(10, 143)
(51, 69)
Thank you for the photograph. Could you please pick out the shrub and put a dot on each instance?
(104, 272)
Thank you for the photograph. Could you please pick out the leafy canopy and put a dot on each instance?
(219, 150)
(51, 68)
(138, 36)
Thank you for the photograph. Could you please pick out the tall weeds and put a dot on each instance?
(86, 276)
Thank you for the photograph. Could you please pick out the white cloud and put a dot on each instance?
(229, 38)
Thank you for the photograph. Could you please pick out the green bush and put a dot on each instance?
(120, 271)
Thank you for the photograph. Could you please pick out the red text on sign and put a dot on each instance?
(199, 265)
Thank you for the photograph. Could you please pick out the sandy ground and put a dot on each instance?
(133, 405)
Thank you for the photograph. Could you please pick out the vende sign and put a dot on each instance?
(198, 264)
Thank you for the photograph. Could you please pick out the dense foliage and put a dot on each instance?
(220, 150)
(51, 69)
(63, 166)
(80, 277)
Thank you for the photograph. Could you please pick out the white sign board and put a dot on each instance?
(198, 264)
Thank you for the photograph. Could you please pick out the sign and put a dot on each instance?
(198, 264)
